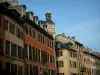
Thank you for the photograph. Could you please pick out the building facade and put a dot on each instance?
(2, 42)
(50, 24)
(72, 58)
(25, 47)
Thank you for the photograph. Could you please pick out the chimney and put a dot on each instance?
(20, 8)
(63, 34)
(30, 15)
(73, 38)
(48, 16)
(14, 3)
(35, 18)
(68, 37)
(40, 23)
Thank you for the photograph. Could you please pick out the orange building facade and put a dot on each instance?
(28, 49)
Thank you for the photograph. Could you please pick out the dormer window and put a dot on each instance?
(58, 46)
(45, 27)
(31, 17)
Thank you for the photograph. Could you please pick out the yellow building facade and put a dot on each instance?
(74, 59)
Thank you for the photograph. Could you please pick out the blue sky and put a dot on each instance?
(79, 18)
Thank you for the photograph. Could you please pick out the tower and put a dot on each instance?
(50, 24)
(48, 16)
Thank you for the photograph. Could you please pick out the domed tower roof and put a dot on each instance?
(48, 12)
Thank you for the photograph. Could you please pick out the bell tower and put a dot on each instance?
(50, 24)
(48, 16)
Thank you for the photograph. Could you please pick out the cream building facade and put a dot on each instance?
(73, 58)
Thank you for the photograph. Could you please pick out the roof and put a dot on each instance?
(37, 27)
(78, 43)
(17, 16)
(48, 12)
(30, 12)
(10, 12)
(93, 54)
(64, 46)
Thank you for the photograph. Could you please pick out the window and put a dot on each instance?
(20, 52)
(31, 73)
(60, 64)
(1, 46)
(30, 52)
(26, 29)
(43, 39)
(33, 33)
(48, 42)
(7, 47)
(20, 34)
(8, 67)
(59, 53)
(39, 37)
(12, 49)
(53, 59)
(30, 31)
(38, 55)
(6, 25)
(74, 64)
(70, 63)
(26, 50)
(43, 56)
(20, 70)
(52, 45)
(49, 72)
(74, 55)
(35, 70)
(71, 54)
(12, 28)
(14, 69)
(50, 58)
(32, 70)
(15, 51)
(84, 60)
(53, 72)
(34, 53)
(60, 73)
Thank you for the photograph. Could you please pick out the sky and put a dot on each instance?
(79, 18)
